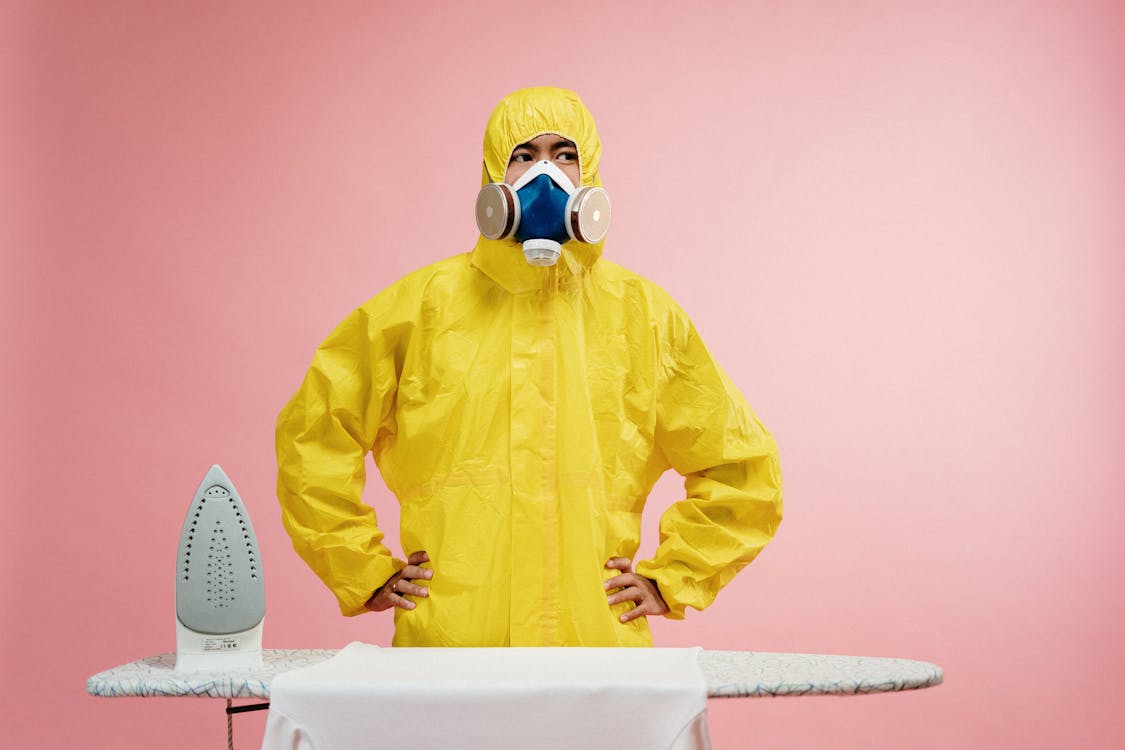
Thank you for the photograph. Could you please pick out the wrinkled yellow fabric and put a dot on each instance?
(521, 415)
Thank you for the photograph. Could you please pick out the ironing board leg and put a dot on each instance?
(232, 710)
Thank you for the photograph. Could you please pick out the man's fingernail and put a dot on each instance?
(623, 618)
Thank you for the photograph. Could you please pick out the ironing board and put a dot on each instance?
(729, 674)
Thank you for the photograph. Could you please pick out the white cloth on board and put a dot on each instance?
(495, 698)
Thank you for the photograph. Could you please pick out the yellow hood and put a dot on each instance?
(519, 117)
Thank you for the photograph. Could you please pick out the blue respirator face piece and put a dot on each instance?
(543, 209)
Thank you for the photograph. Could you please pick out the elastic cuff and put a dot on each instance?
(353, 598)
(668, 590)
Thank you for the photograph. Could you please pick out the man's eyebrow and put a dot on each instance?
(563, 143)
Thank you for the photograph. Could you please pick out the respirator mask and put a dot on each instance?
(543, 209)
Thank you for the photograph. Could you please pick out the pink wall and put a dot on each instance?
(898, 225)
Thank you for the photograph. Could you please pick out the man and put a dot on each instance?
(521, 414)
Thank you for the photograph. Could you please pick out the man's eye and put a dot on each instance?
(568, 156)
(520, 157)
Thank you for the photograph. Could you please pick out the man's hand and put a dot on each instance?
(393, 593)
(631, 587)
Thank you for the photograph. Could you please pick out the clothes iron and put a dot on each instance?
(220, 596)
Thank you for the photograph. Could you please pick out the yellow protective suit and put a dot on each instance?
(521, 415)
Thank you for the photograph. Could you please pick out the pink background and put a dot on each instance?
(898, 225)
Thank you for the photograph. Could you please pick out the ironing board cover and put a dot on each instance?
(729, 674)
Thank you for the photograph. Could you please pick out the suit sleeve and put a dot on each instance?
(732, 477)
(323, 436)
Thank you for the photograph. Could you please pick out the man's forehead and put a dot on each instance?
(554, 140)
